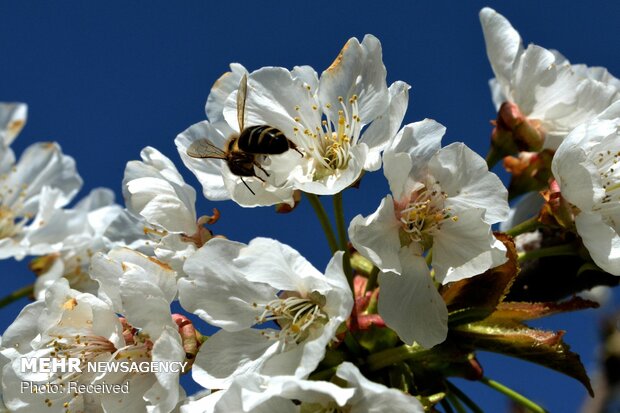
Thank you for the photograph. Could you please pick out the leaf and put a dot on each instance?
(514, 339)
(530, 311)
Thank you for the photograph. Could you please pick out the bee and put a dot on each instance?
(241, 151)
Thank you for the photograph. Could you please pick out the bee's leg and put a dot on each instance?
(247, 186)
(262, 169)
(292, 146)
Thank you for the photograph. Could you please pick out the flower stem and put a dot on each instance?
(525, 226)
(371, 284)
(16, 295)
(454, 401)
(464, 398)
(343, 238)
(519, 398)
(446, 406)
(493, 157)
(391, 356)
(557, 250)
(324, 220)
(340, 223)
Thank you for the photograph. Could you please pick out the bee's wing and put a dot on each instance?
(241, 94)
(203, 148)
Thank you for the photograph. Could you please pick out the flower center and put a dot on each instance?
(295, 315)
(422, 214)
(86, 348)
(330, 142)
(609, 174)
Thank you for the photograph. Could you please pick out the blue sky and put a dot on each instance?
(105, 79)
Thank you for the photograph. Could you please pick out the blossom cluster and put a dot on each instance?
(411, 291)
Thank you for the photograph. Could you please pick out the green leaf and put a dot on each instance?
(515, 339)
(520, 311)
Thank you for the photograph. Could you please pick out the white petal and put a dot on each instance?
(358, 70)
(43, 164)
(542, 88)
(410, 304)
(273, 97)
(165, 393)
(208, 171)
(421, 140)
(12, 120)
(502, 41)
(385, 127)
(156, 200)
(371, 397)
(226, 355)
(268, 261)
(376, 236)
(307, 75)
(217, 291)
(578, 178)
(465, 247)
(463, 175)
(221, 90)
(601, 240)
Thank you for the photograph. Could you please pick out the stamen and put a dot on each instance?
(295, 315)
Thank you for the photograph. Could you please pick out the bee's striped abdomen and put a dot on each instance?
(263, 139)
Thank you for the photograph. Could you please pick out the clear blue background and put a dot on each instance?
(105, 79)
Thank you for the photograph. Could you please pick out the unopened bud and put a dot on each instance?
(530, 171)
(189, 337)
(556, 210)
(514, 133)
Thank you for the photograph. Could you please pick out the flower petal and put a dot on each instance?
(376, 236)
(410, 304)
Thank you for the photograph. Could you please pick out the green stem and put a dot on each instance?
(464, 398)
(324, 220)
(372, 279)
(343, 237)
(16, 295)
(392, 356)
(340, 223)
(429, 258)
(557, 250)
(518, 398)
(525, 226)
(324, 374)
(446, 406)
(352, 344)
(456, 403)
(493, 157)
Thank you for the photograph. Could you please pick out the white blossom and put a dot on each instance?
(586, 167)
(238, 287)
(154, 190)
(32, 191)
(94, 224)
(325, 117)
(339, 124)
(444, 199)
(218, 182)
(548, 90)
(70, 324)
